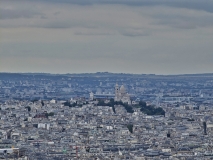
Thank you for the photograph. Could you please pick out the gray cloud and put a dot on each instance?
(135, 32)
(140, 36)
(190, 4)
(63, 24)
(176, 19)
(83, 20)
(182, 18)
(14, 13)
(93, 33)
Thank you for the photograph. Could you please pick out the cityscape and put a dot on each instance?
(106, 80)
(106, 116)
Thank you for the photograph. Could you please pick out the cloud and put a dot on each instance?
(206, 5)
(190, 4)
(10, 10)
(84, 20)
(13, 13)
(121, 35)
(94, 33)
(103, 14)
(135, 32)
(181, 18)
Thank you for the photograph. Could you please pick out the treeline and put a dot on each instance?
(110, 104)
(67, 103)
(128, 108)
(130, 127)
(70, 104)
(49, 114)
(147, 109)
(150, 110)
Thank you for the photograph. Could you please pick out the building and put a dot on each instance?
(91, 96)
(121, 94)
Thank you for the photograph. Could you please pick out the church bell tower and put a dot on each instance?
(116, 92)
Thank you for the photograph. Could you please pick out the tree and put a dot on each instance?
(51, 114)
(28, 108)
(130, 127)
(69, 104)
(112, 103)
(150, 110)
(142, 104)
(42, 103)
(102, 103)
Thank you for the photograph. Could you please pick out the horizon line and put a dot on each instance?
(106, 72)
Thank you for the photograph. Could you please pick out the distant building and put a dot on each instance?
(91, 95)
(121, 94)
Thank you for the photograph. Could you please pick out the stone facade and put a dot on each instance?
(121, 94)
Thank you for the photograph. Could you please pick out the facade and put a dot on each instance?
(121, 94)
(91, 96)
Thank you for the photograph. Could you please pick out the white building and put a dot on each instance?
(91, 96)
(121, 94)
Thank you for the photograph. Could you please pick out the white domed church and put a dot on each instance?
(121, 94)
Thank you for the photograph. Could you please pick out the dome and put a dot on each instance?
(122, 89)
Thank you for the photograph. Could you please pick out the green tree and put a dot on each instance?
(142, 104)
(130, 127)
(150, 110)
(42, 103)
(28, 108)
(69, 104)
(51, 114)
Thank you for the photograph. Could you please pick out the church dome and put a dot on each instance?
(122, 89)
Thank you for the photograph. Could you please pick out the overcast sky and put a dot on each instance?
(128, 36)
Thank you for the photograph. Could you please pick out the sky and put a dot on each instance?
(119, 36)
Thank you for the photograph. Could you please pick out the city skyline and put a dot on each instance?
(141, 37)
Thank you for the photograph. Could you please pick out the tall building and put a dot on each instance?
(121, 94)
(91, 96)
